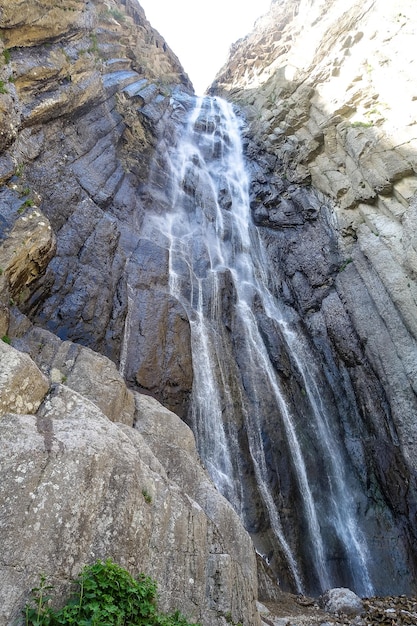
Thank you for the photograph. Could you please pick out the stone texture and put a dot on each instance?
(341, 600)
(92, 375)
(23, 386)
(73, 485)
(26, 251)
(173, 444)
(321, 97)
(318, 91)
(78, 130)
(78, 138)
(89, 95)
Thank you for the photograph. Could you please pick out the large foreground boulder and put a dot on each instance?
(77, 487)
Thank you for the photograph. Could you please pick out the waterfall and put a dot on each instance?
(217, 271)
(126, 332)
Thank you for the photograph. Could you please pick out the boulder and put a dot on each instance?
(341, 600)
(22, 384)
(77, 487)
(91, 374)
(172, 442)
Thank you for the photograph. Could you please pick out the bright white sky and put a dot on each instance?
(200, 33)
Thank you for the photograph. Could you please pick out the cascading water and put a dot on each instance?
(217, 272)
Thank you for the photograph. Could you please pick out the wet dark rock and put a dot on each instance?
(92, 139)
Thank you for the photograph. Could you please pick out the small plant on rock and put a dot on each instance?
(147, 496)
(27, 203)
(106, 595)
(117, 15)
(345, 264)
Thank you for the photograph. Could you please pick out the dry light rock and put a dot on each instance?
(22, 384)
(77, 487)
(88, 92)
(341, 600)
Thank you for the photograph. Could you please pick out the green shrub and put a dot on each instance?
(359, 124)
(27, 203)
(107, 595)
(147, 496)
(94, 44)
(118, 15)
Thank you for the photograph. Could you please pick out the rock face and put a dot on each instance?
(77, 486)
(320, 94)
(23, 387)
(84, 90)
(93, 106)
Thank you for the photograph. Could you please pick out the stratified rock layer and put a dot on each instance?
(83, 89)
(91, 100)
(328, 93)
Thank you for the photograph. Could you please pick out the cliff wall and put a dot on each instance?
(91, 470)
(328, 93)
(92, 101)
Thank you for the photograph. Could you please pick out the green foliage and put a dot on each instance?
(118, 15)
(19, 169)
(345, 264)
(362, 124)
(3, 87)
(94, 44)
(147, 496)
(6, 339)
(39, 613)
(229, 619)
(6, 55)
(27, 203)
(107, 595)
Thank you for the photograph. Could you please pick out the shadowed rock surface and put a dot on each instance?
(85, 87)
(93, 104)
(321, 97)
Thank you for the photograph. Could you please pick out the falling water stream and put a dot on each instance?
(216, 256)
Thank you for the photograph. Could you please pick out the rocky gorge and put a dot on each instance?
(208, 311)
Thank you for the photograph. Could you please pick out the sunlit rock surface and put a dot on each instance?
(328, 93)
(77, 487)
(83, 89)
(91, 102)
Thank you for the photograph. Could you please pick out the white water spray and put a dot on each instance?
(212, 242)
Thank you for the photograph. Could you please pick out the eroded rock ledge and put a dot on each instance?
(84, 92)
